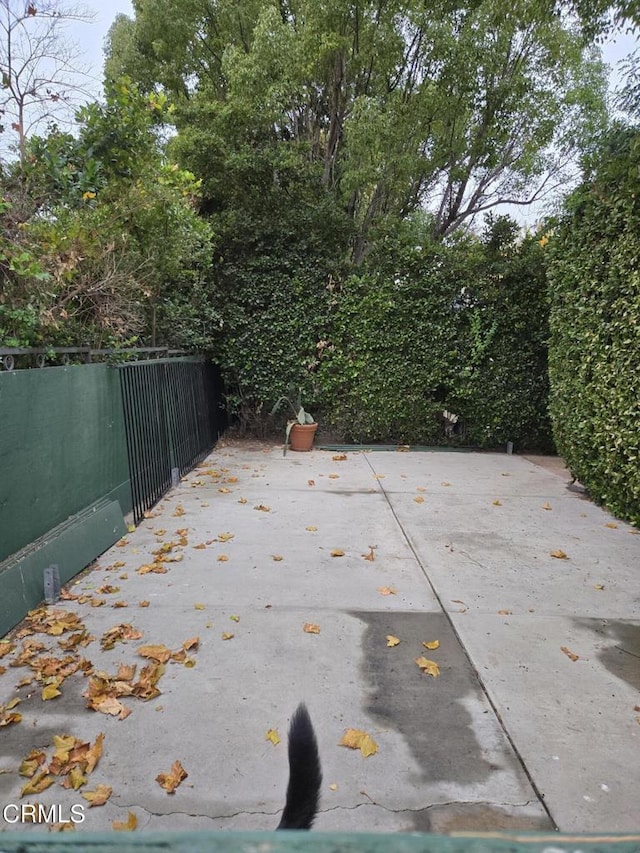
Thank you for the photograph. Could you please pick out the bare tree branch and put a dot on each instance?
(42, 80)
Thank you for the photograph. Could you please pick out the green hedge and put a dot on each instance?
(460, 326)
(594, 359)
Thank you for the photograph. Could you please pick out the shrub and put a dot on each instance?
(595, 328)
(460, 326)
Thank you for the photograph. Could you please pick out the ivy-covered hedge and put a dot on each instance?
(390, 357)
(594, 358)
(381, 352)
(460, 327)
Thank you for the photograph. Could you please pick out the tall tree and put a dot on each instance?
(398, 106)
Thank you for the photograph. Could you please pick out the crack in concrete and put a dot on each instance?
(152, 813)
(417, 810)
(391, 810)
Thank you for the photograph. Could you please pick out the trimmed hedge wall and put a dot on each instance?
(381, 350)
(594, 356)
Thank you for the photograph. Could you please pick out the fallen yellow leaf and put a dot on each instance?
(226, 537)
(497, 503)
(6, 648)
(311, 482)
(273, 736)
(227, 636)
(429, 667)
(559, 555)
(432, 644)
(38, 784)
(387, 590)
(370, 556)
(571, 655)
(547, 505)
(333, 786)
(505, 612)
(97, 797)
(356, 739)
(31, 762)
(198, 606)
(311, 528)
(157, 652)
(310, 628)
(599, 586)
(611, 525)
(419, 499)
(94, 754)
(112, 706)
(223, 558)
(392, 641)
(276, 558)
(339, 457)
(51, 691)
(75, 779)
(263, 508)
(337, 552)
(125, 826)
(170, 781)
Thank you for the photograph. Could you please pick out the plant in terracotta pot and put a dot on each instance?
(301, 429)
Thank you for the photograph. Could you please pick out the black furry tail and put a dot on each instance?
(305, 774)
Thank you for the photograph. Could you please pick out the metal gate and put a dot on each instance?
(174, 414)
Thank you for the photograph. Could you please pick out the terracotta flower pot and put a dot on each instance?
(301, 436)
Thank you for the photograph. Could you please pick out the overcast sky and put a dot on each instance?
(90, 37)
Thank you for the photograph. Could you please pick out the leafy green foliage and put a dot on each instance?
(114, 226)
(460, 327)
(595, 327)
(273, 283)
(504, 385)
(398, 106)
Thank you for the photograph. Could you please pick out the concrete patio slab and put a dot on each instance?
(423, 547)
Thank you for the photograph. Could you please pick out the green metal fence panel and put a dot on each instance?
(62, 448)
(71, 546)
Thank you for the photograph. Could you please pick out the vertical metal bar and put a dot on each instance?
(142, 427)
(132, 441)
(177, 411)
(194, 443)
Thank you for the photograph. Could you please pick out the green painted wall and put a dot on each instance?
(62, 448)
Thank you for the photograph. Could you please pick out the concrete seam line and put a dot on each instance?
(447, 616)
